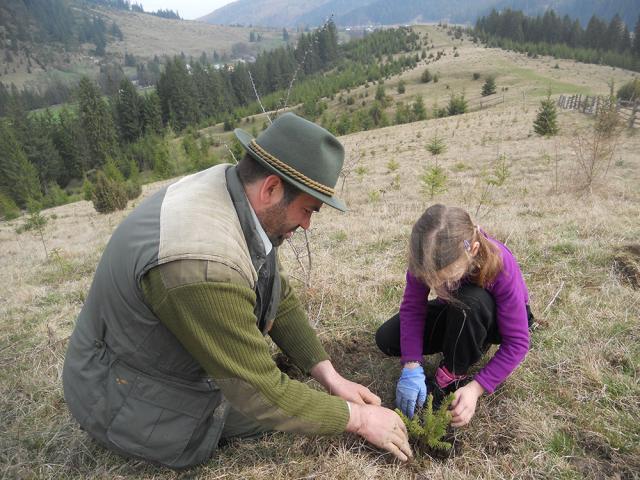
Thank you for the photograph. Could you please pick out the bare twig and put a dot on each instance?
(255, 90)
(231, 152)
(553, 299)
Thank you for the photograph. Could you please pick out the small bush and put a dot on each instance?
(457, 105)
(546, 123)
(630, 91)
(8, 208)
(108, 195)
(476, 76)
(401, 87)
(87, 190)
(426, 76)
(55, 196)
(489, 87)
(133, 189)
(428, 430)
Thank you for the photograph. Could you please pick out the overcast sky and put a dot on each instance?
(188, 9)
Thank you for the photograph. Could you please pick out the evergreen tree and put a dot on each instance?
(546, 123)
(418, 109)
(178, 95)
(108, 195)
(18, 177)
(97, 124)
(151, 114)
(457, 104)
(70, 143)
(129, 113)
(489, 87)
(636, 39)
(614, 40)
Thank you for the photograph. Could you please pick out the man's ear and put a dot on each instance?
(271, 191)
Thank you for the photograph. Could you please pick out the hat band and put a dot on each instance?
(289, 170)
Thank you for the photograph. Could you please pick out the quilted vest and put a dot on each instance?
(127, 380)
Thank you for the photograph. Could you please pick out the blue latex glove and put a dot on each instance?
(411, 390)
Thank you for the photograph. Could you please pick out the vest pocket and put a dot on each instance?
(157, 418)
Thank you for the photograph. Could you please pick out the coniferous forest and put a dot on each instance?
(600, 42)
(123, 134)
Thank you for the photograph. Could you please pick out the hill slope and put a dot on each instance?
(569, 411)
(382, 12)
(39, 58)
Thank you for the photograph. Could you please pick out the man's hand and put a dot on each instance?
(464, 406)
(337, 385)
(380, 427)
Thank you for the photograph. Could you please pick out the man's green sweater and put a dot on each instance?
(216, 324)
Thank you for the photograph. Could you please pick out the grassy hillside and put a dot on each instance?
(144, 36)
(569, 411)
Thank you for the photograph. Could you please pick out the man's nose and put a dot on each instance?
(306, 222)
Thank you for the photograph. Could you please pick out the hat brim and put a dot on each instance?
(245, 139)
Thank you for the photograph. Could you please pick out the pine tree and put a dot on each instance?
(418, 109)
(151, 114)
(18, 177)
(128, 108)
(96, 122)
(70, 143)
(108, 195)
(178, 95)
(546, 123)
(636, 39)
(489, 87)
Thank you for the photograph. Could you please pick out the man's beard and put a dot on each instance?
(273, 220)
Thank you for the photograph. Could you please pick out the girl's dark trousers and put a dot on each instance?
(461, 330)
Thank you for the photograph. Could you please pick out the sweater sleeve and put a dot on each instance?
(215, 323)
(510, 295)
(293, 334)
(413, 314)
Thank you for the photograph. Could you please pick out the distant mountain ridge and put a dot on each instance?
(285, 13)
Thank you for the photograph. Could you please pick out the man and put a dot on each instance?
(168, 355)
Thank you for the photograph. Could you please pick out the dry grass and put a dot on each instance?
(569, 411)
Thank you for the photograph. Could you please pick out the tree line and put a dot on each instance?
(46, 21)
(42, 153)
(600, 42)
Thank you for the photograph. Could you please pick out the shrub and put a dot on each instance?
(8, 208)
(426, 76)
(476, 75)
(401, 87)
(630, 91)
(108, 195)
(133, 189)
(546, 124)
(434, 181)
(429, 429)
(457, 105)
(489, 87)
(87, 190)
(436, 145)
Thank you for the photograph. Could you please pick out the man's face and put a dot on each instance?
(280, 220)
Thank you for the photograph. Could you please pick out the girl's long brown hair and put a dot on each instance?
(443, 235)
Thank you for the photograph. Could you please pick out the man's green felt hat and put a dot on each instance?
(301, 153)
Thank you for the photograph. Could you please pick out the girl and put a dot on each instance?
(482, 300)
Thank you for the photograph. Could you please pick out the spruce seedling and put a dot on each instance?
(429, 427)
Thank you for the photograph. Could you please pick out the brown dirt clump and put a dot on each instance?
(627, 265)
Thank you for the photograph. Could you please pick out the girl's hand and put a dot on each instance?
(464, 406)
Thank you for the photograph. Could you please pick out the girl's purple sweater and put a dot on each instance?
(510, 294)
